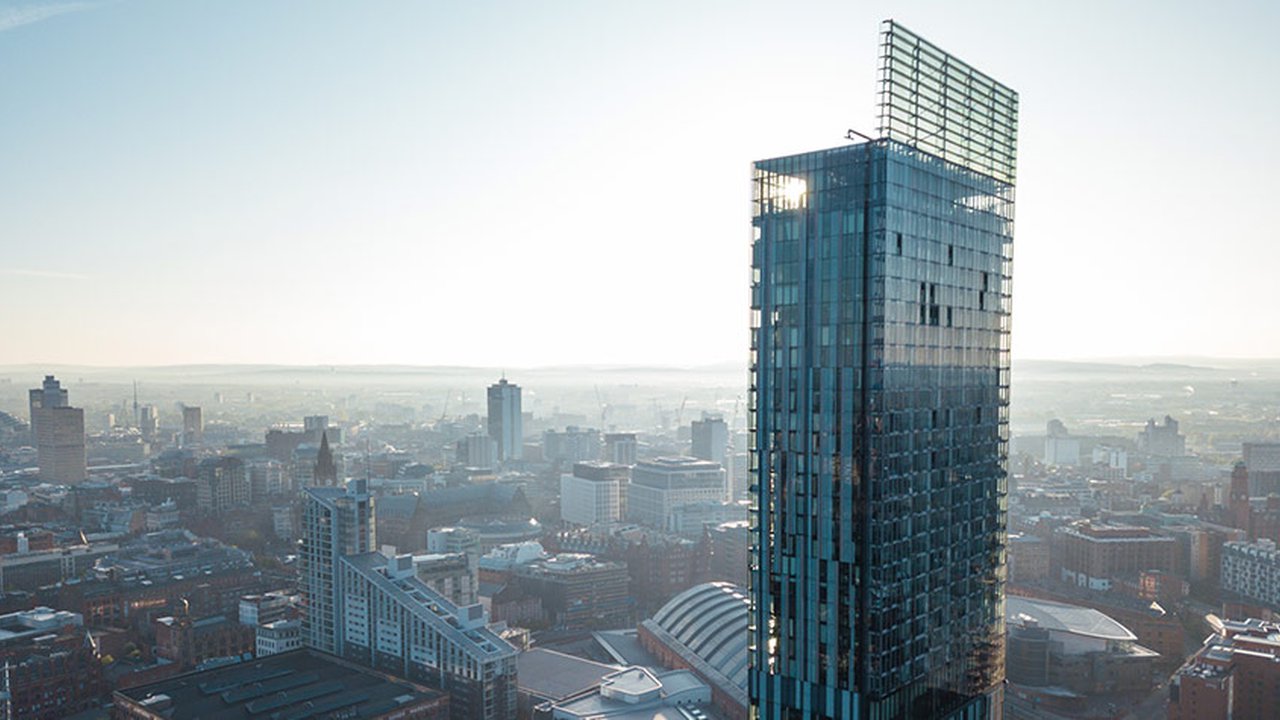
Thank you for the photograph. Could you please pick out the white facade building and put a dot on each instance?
(596, 492)
(376, 610)
(506, 424)
(277, 637)
(1252, 570)
(394, 621)
(335, 522)
(661, 485)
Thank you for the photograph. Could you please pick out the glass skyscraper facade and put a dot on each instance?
(879, 405)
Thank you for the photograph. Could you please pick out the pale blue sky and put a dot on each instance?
(527, 183)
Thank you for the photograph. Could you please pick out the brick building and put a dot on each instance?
(1094, 556)
(188, 642)
(1235, 675)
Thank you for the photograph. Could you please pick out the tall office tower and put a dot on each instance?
(57, 430)
(710, 437)
(50, 394)
(620, 448)
(879, 404)
(60, 449)
(506, 426)
(148, 422)
(192, 425)
(336, 521)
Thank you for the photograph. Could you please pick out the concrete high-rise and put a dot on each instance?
(57, 430)
(336, 521)
(192, 425)
(50, 394)
(879, 404)
(506, 425)
(620, 448)
(60, 444)
(148, 422)
(710, 439)
(383, 611)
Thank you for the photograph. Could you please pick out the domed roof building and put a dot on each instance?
(704, 629)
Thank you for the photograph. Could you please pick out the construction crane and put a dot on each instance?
(445, 411)
(680, 412)
(604, 409)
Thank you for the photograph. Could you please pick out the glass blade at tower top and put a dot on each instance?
(936, 102)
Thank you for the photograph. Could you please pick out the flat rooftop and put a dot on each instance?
(1065, 618)
(297, 684)
(554, 675)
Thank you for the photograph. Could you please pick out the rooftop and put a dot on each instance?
(1065, 618)
(297, 684)
(707, 626)
(554, 675)
(639, 694)
(36, 621)
(462, 625)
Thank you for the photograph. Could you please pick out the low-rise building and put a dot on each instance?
(190, 641)
(548, 676)
(1073, 647)
(263, 608)
(1095, 556)
(660, 564)
(302, 683)
(660, 485)
(450, 574)
(1028, 558)
(578, 591)
(635, 693)
(278, 637)
(704, 630)
(596, 492)
(1235, 675)
(52, 668)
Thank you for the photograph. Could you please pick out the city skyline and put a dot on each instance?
(337, 174)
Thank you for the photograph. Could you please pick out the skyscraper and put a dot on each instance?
(50, 394)
(58, 432)
(710, 439)
(506, 425)
(879, 404)
(192, 425)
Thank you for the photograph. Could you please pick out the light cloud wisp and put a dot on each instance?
(15, 16)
